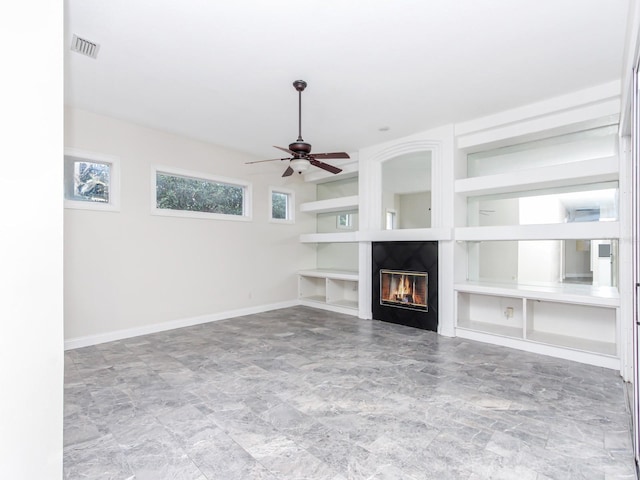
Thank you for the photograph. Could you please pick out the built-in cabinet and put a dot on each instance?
(536, 277)
(579, 319)
(527, 216)
(333, 288)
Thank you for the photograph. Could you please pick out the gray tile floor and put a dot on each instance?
(306, 394)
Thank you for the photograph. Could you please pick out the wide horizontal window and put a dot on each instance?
(182, 193)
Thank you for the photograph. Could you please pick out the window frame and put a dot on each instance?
(113, 205)
(291, 205)
(179, 172)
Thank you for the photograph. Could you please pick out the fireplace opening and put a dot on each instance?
(403, 289)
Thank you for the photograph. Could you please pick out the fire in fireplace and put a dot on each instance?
(404, 289)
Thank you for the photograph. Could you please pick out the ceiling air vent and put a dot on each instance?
(84, 47)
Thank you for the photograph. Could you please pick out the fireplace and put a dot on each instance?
(404, 289)
(404, 286)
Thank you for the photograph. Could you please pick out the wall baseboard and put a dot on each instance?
(79, 342)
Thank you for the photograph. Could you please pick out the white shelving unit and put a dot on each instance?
(332, 288)
(579, 319)
(335, 290)
(571, 321)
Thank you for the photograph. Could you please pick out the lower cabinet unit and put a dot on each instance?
(335, 290)
(573, 322)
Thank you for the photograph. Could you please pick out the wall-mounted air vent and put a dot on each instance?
(84, 47)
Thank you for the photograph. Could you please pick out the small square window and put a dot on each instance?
(281, 205)
(344, 221)
(90, 181)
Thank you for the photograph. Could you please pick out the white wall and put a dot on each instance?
(338, 256)
(31, 343)
(415, 210)
(130, 269)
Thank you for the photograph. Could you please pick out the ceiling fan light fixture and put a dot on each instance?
(299, 164)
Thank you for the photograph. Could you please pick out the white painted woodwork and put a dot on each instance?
(329, 237)
(566, 174)
(334, 290)
(342, 204)
(555, 231)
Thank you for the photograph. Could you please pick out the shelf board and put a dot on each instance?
(314, 298)
(556, 231)
(331, 205)
(582, 344)
(345, 303)
(407, 234)
(494, 329)
(563, 293)
(330, 273)
(341, 237)
(566, 174)
(588, 357)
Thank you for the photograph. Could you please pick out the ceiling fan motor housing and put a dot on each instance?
(300, 148)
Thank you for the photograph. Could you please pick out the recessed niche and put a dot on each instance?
(545, 262)
(406, 191)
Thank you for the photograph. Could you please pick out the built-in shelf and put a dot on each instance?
(329, 237)
(566, 292)
(330, 273)
(556, 231)
(334, 290)
(494, 329)
(545, 319)
(566, 174)
(576, 343)
(585, 352)
(341, 204)
(402, 235)
(406, 235)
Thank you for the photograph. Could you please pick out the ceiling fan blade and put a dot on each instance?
(284, 150)
(288, 172)
(331, 155)
(324, 166)
(270, 160)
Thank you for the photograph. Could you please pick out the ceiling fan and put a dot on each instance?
(301, 156)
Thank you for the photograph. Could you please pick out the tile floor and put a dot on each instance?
(306, 394)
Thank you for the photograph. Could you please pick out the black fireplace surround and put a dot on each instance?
(408, 257)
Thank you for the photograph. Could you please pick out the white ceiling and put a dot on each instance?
(221, 71)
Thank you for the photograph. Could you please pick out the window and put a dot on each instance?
(198, 195)
(91, 181)
(344, 221)
(390, 220)
(281, 205)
